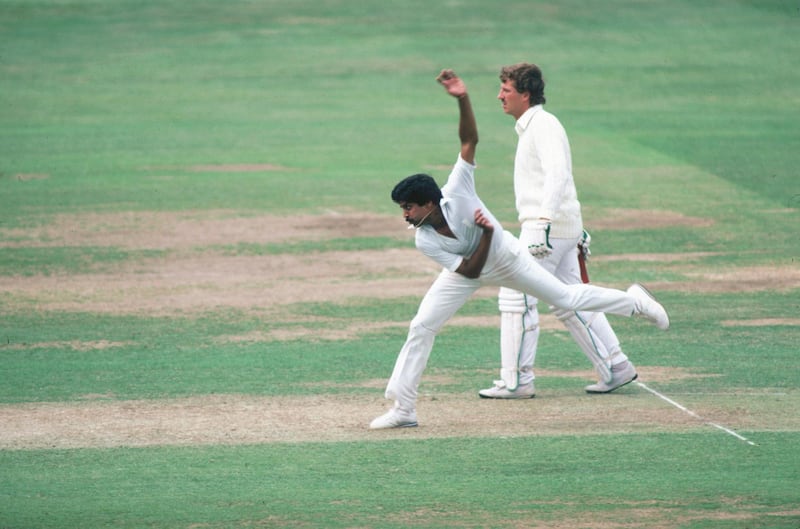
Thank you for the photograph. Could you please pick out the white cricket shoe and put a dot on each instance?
(647, 306)
(621, 374)
(500, 391)
(395, 418)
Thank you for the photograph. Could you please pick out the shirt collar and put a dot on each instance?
(525, 119)
(443, 203)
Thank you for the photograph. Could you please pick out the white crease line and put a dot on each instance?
(693, 414)
(730, 394)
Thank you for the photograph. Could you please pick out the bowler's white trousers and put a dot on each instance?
(514, 268)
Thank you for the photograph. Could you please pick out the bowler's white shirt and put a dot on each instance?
(459, 202)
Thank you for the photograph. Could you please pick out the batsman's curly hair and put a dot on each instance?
(527, 78)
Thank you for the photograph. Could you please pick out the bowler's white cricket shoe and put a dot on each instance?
(647, 306)
(621, 374)
(500, 391)
(395, 418)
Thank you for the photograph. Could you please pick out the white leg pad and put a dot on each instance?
(579, 326)
(512, 330)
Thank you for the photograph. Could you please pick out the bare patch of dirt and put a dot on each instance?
(654, 257)
(637, 219)
(201, 283)
(206, 282)
(778, 278)
(621, 515)
(155, 230)
(353, 330)
(763, 322)
(243, 419)
(239, 168)
(22, 177)
(239, 419)
(75, 345)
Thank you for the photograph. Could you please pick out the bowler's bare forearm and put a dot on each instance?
(467, 125)
(472, 266)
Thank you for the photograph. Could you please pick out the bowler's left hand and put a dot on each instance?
(452, 83)
(483, 222)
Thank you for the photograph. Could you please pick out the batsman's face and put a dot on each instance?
(514, 103)
(414, 213)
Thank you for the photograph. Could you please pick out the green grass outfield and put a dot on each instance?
(171, 171)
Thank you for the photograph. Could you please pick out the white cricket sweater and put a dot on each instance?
(543, 183)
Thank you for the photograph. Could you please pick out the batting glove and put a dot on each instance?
(583, 245)
(541, 240)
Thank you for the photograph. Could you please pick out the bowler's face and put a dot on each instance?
(414, 213)
(514, 103)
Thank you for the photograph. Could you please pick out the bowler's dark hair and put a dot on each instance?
(527, 78)
(417, 189)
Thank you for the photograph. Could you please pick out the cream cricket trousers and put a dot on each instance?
(513, 268)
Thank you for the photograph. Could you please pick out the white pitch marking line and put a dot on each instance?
(693, 414)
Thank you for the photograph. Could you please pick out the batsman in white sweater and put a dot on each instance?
(552, 230)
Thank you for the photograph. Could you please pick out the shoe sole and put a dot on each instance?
(651, 296)
(614, 388)
(507, 398)
(404, 425)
